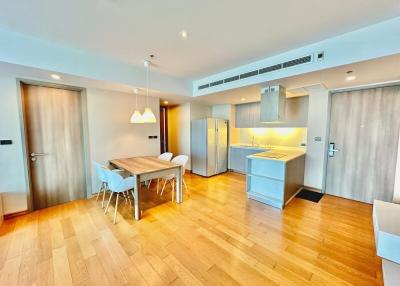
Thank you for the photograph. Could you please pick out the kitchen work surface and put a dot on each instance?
(147, 168)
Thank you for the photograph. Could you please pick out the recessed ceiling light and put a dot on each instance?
(55, 76)
(243, 99)
(349, 76)
(165, 101)
(184, 34)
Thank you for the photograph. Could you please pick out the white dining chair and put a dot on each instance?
(166, 156)
(101, 175)
(118, 185)
(180, 160)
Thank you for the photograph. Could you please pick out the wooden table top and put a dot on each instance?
(143, 165)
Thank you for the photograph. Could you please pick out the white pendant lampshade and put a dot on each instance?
(136, 116)
(148, 116)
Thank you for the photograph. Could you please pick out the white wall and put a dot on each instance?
(110, 133)
(12, 172)
(179, 130)
(179, 120)
(318, 114)
(110, 136)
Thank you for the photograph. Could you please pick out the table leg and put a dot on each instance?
(179, 185)
(137, 197)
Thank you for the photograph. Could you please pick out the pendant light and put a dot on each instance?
(148, 115)
(136, 116)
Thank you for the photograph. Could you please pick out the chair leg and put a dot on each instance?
(184, 183)
(116, 207)
(104, 196)
(158, 182)
(173, 188)
(148, 184)
(109, 200)
(101, 189)
(162, 190)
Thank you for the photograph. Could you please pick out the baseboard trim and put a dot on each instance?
(13, 215)
(312, 189)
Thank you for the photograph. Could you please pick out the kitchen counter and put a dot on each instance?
(288, 154)
(275, 181)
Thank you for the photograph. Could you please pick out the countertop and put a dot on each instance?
(290, 153)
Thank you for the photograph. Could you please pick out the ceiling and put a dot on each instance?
(222, 34)
(379, 70)
(40, 75)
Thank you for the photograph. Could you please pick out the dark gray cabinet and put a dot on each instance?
(247, 115)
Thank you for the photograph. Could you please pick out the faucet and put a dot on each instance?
(252, 141)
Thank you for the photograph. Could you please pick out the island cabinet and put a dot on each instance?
(274, 181)
(238, 157)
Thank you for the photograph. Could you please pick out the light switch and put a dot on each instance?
(5, 142)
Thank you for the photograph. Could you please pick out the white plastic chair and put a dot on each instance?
(118, 184)
(167, 156)
(181, 160)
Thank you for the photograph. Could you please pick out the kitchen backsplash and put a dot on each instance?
(282, 136)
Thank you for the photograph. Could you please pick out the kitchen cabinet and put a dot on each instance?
(237, 157)
(242, 115)
(275, 181)
(247, 115)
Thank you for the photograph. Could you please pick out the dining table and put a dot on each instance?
(146, 168)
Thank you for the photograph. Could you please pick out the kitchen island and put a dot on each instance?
(274, 177)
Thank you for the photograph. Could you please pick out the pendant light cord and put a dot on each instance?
(147, 84)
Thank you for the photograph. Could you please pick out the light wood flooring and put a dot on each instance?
(216, 237)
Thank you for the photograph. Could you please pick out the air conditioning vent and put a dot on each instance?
(204, 86)
(284, 65)
(270, 68)
(218, 82)
(232, 78)
(296, 62)
(249, 74)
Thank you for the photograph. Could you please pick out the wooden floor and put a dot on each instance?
(216, 237)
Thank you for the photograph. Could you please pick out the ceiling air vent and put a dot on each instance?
(249, 74)
(284, 65)
(232, 78)
(204, 86)
(270, 68)
(218, 82)
(296, 62)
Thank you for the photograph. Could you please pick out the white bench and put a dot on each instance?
(386, 218)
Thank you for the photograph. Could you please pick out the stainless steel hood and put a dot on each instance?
(273, 102)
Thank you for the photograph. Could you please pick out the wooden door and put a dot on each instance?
(364, 128)
(53, 123)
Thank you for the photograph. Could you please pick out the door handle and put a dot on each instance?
(34, 155)
(332, 150)
(38, 154)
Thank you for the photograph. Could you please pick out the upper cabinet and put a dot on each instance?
(247, 115)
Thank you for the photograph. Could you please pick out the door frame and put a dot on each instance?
(85, 134)
(331, 93)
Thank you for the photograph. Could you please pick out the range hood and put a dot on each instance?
(273, 102)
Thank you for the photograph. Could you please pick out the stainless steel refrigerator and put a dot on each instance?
(209, 140)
